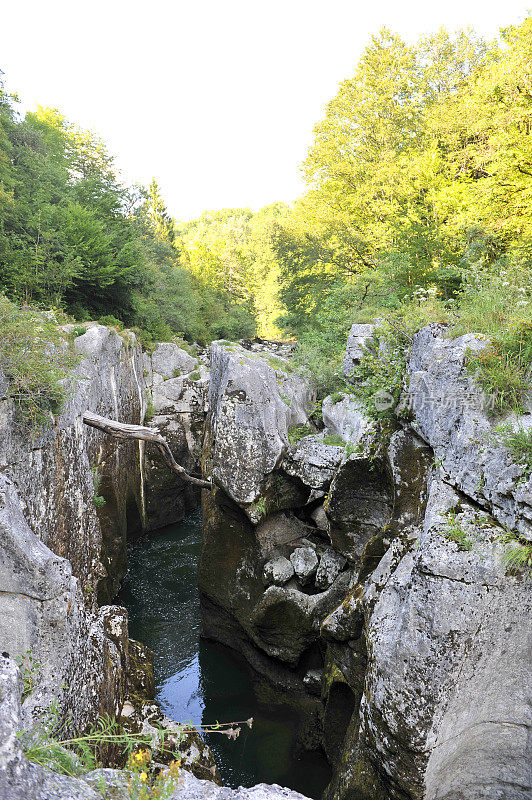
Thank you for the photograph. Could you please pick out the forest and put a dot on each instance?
(417, 209)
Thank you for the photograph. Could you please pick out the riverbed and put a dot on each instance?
(204, 682)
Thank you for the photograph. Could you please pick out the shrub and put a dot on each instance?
(35, 360)
(336, 397)
(111, 322)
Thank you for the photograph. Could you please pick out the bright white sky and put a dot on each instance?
(215, 98)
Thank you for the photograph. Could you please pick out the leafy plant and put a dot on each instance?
(98, 499)
(519, 443)
(455, 533)
(150, 409)
(517, 552)
(195, 375)
(336, 397)
(349, 449)
(28, 667)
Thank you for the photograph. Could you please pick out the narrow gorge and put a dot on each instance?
(357, 568)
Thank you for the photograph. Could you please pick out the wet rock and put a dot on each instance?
(278, 571)
(331, 564)
(359, 338)
(305, 563)
(312, 681)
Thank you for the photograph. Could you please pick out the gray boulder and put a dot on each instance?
(313, 461)
(250, 418)
(331, 564)
(169, 361)
(346, 419)
(278, 570)
(359, 337)
(305, 563)
(448, 407)
(445, 711)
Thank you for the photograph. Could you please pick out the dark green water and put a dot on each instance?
(202, 681)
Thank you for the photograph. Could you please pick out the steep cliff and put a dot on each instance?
(367, 580)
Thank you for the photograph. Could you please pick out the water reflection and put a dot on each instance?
(202, 681)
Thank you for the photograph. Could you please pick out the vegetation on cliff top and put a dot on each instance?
(417, 210)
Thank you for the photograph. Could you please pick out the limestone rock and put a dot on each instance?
(359, 338)
(313, 461)
(445, 704)
(320, 518)
(346, 419)
(312, 681)
(278, 570)
(331, 564)
(250, 418)
(305, 563)
(449, 414)
(169, 361)
(359, 506)
(20, 779)
(191, 788)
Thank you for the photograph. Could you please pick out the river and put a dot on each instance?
(202, 681)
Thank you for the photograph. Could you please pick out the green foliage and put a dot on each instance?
(519, 443)
(455, 533)
(337, 397)
(297, 432)
(28, 667)
(349, 449)
(195, 375)
(517, 553)
(98, 499)
(334, 440)
(419, 199)
(35, 361)
(150, 409)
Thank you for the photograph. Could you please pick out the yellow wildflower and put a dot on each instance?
(143, 776)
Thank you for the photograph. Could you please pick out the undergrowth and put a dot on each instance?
(454, 532)
(519, 443)
(35, 360)
(517, 553)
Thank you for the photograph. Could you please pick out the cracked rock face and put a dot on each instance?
(252, 404)
(449, 415)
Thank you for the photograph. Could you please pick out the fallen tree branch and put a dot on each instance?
(122, 431)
